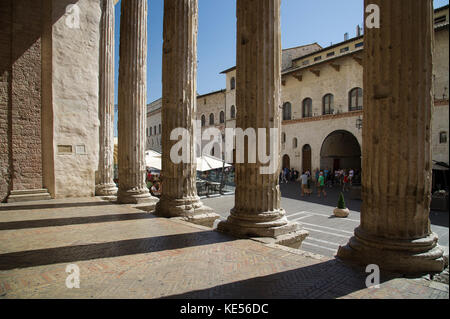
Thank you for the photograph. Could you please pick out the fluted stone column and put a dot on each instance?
(257, 211)
(132, 103)
(179, 191)
(105, 185)
(395, 228)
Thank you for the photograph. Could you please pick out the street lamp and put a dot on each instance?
(359, 123)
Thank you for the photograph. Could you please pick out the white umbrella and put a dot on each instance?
(153, 159)
(204, 163)
(207, 163)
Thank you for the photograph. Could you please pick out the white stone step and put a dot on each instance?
(13, 198)
(30, 191)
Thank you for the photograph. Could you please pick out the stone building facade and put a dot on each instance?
(330, 136)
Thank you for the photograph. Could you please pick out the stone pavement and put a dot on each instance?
(326, 233)
(122, 251)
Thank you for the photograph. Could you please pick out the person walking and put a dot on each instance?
(351, 174)
(304, 181)
(321, 185)
(345, 182)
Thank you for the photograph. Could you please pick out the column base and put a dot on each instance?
(106, 190)
(279, 231)
(141, 196)
(190, 210)
(417, 256)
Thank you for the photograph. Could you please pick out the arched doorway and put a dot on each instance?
(286, 161)
(340, 150)
(306, 158)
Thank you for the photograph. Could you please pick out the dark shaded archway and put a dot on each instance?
(306, 158)
(339, 150)
(286, 161)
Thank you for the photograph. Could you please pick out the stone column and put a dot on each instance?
(179, 99)
(257, 211)
(396, 189)
(132, 103)
(105, 185)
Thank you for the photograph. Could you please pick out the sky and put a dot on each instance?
(302, 22)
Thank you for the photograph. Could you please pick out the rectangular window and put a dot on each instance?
(306, 62)
(358, 45)
(344, 49)
(318, 58)
(443, 137)
(440, 19)
(330, 54)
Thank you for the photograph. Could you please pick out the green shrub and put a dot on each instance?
(341, 202)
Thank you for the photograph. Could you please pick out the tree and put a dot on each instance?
(341, 202)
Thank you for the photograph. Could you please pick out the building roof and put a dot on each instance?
(330, 47)
(293, 48)
(211, 93)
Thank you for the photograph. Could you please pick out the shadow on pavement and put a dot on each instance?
(70, 254)
(328, 280)
(23, 224)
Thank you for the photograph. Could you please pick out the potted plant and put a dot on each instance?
(341, 211)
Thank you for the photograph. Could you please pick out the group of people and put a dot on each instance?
(323, 178)
(287, 175)
(306, 182)
(154, 184)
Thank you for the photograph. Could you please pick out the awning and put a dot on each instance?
(204, 163)
(208, 163)
(440, 166)
(153, 160)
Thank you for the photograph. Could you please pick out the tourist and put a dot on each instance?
(304, 180)
(351, 174)
(156, 189)
(321, 185)
(345, 183)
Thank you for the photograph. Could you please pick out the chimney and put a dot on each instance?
(358, 30)
(346, 36)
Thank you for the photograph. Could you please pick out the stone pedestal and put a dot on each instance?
(396, 187)
(105, 185)
(132, 104)
(257, 211)
(179, 191)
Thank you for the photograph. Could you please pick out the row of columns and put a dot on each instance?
(395, 230)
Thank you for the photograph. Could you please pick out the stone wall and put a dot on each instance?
(5, 89)
(20, 96)
(75, 68)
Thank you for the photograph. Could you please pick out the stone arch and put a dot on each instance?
(340, 149)
(306, 158)
(286, 161)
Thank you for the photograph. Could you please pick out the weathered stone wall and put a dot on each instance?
(20, 96)
(5, 88)
(75, 65)
(26, 94)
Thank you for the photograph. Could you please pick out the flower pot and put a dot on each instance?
(341, 213)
